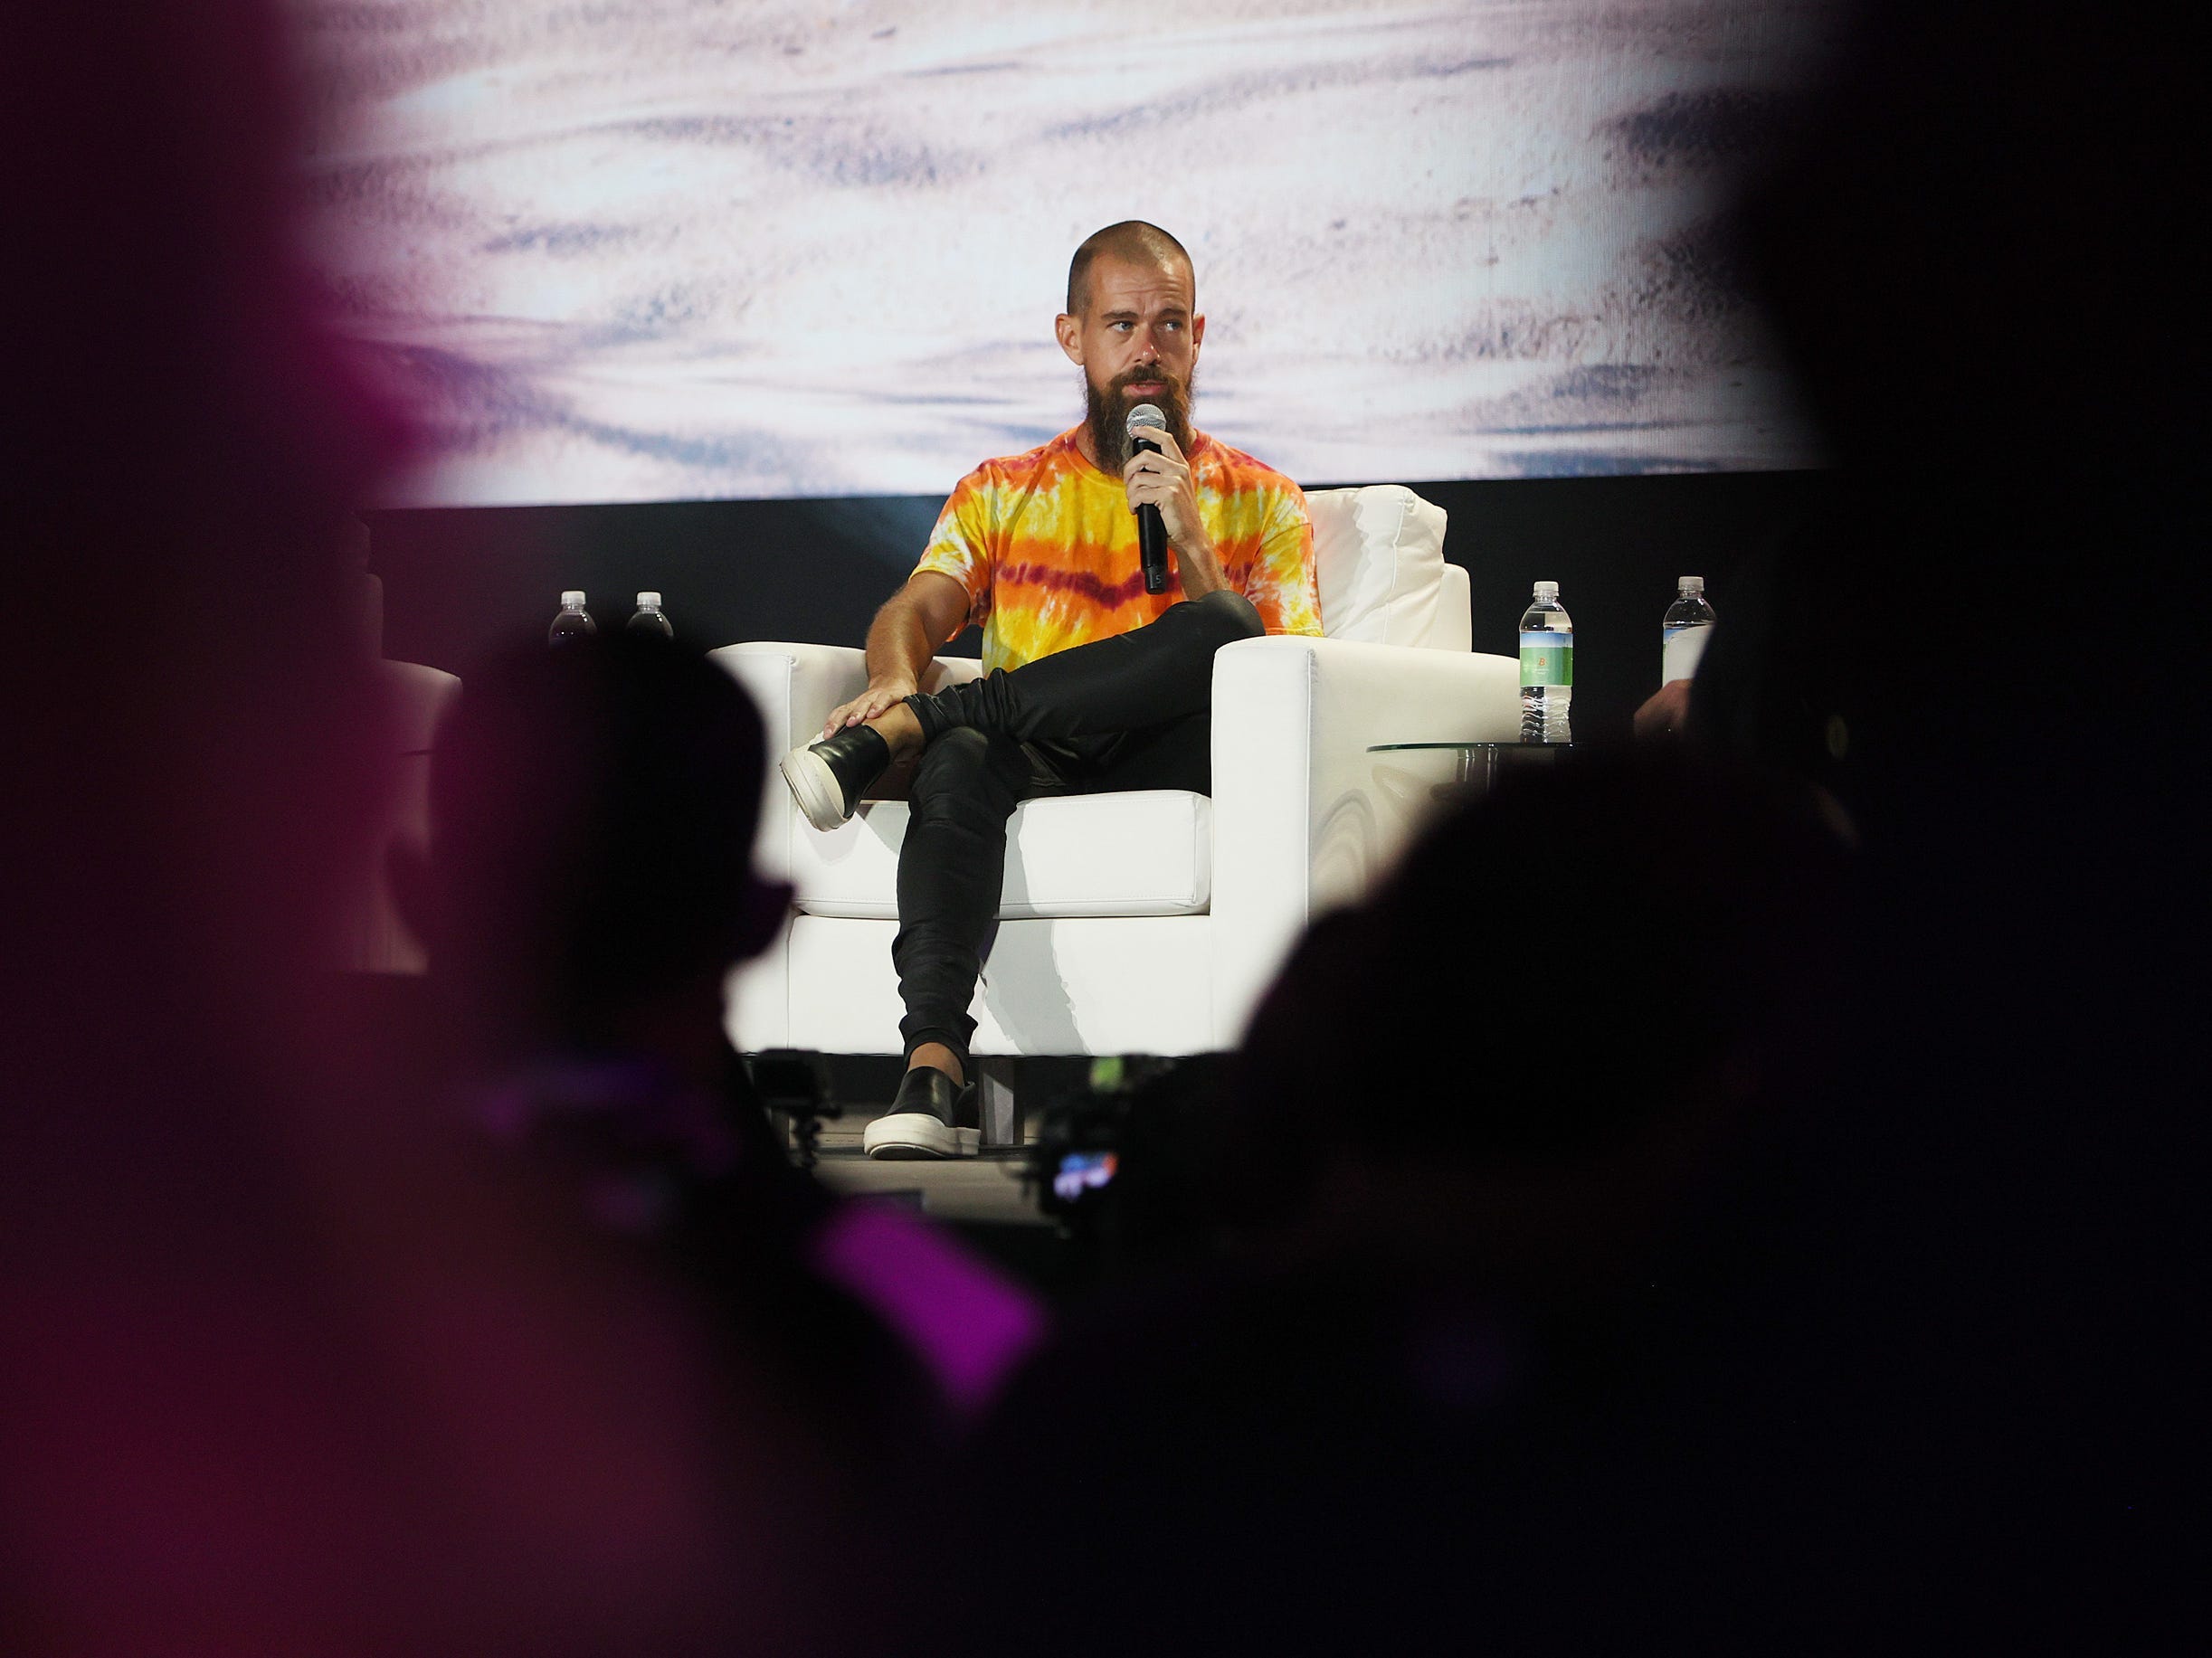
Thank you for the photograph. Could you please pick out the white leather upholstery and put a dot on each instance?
(1077, 985)
(1305, 816)
(1151, 923)
(1148, 853)
(373, 937)
(370, 935)
(1378, 560)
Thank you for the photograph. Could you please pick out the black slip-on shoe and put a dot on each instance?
(827, 778)
(922, 1118)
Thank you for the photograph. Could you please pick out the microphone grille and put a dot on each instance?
(1146, 414)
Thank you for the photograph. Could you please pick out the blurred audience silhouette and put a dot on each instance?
(1470, 1161)
(1581, 1307)
(1647, 1220)
(590, 889)
(293, 1365)
(593, 807)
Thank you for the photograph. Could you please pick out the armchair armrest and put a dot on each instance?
(1304, 817)
(794, 686)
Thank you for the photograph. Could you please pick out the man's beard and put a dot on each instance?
(1107, 413)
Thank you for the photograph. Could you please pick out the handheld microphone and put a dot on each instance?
(1151, 528)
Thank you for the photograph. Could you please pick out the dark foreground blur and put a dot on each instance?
(1800, 1268)
(287, 1367)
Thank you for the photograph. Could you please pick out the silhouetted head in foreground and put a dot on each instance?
(1485, 1130)
(591, 881)
(1975, 255)
(1557, 1002)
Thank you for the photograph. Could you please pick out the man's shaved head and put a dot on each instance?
(1132, 240)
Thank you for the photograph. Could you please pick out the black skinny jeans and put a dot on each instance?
(1132, 712)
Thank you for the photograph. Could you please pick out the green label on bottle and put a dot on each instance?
(1547, 658)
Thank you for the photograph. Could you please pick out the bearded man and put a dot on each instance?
(1091, 684)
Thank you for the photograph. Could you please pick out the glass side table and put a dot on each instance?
(1480, 762)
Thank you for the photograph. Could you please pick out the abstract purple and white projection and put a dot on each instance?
(662, 250)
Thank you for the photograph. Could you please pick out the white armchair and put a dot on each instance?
(371, 937)
(1150, 923)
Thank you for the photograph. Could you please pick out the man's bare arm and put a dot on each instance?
(926, 613)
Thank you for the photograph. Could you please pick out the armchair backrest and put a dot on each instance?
(1378, 556)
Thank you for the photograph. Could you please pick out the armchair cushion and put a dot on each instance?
(1143, 853)
(1379, 558)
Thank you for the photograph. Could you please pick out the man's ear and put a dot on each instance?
(1198, 332)
(413, 891)
(1068, 331)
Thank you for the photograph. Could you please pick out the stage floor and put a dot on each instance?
(984, 1190)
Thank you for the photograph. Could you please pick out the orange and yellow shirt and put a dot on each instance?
(1045, 546)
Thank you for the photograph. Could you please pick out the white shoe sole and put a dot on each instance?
(913, 1135)
(814, 786)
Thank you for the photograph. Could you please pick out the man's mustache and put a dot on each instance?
(1139, 377)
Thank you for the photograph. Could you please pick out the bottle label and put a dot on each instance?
(1547, 658)
(1680, 650)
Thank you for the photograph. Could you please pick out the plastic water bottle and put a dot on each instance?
(1686, 631)
(1547, 667)
(574, 621)
(649, 618)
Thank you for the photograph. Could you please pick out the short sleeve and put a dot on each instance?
(1280, 582)
(961, 544)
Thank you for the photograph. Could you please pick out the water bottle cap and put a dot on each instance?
(649, 601)
(574, 597)
(1692, 584)
(1547, 590)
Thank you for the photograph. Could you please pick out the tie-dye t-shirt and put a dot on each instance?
(1045, 546)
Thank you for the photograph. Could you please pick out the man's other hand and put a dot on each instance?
(881, 693)
(1163, 479)
(1665, 712)
(923, 614)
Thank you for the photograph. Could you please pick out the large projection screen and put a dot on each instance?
(690, 250)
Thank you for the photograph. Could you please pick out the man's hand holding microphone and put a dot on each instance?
(1165, 501)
